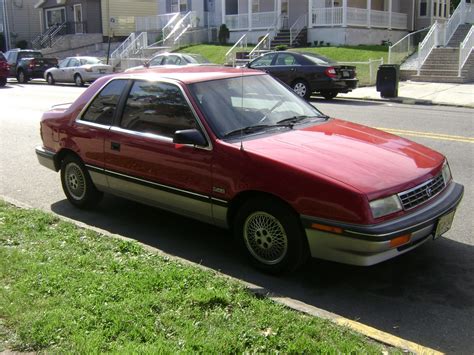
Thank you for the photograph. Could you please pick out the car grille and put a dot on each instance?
(421, 193)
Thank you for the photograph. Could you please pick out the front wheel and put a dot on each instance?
(271, 235)
(302, 89)
(21, 77)
(329, 95)
(77, 184)
(78, 80)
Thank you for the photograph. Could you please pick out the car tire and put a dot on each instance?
(271, 235)
(329, 95)
(21, 77)
(3, 82)
(50, 79)
(302, 89)
(78, 80)
(77, 183)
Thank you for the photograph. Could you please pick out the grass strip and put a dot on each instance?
(69, 289)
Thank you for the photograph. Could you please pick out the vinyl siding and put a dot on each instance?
(23, 20)
(124, 11)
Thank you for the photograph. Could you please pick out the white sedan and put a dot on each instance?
(78, 70)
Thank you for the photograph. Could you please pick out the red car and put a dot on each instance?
(4, 68)
(238, 149)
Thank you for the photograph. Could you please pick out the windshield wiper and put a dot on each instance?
(252, 129)
(291, 121)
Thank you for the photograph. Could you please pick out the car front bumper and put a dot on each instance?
(366, 245)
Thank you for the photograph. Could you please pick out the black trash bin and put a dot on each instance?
(388, 76)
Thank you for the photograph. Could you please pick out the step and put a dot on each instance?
(440, 79)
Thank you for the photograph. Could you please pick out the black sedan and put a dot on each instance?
(308, 73)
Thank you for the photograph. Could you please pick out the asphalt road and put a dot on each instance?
(426, 296)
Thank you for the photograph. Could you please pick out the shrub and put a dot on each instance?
(224, 34)
(22, 44)
(281, 47)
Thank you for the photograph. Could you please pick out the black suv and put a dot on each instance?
(26, 64)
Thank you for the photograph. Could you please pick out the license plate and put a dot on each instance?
(444, 224)
(345, 74)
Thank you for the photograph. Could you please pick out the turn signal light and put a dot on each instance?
(325, 228)
(403, 239)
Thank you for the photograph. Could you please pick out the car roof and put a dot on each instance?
(190, 74)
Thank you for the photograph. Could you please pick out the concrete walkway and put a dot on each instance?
(411, 92)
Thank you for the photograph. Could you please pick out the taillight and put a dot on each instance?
(330, 72)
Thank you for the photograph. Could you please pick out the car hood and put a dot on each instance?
(372, 161)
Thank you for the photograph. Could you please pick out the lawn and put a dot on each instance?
(69, 289)
(216, 54)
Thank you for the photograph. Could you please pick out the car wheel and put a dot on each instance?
(302, 89)
(329, 95)
(77, 184)
(50, 79)
(78, 80)
(21, 77)
(271, 235)
(3, 82)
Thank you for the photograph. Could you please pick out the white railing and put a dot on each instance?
(236, 22)
(327, 16)
(152, 23)
(297, 27)
(454, 21)
(405, 47)
(430, 42)
(134, 52)
(241, 44)
(334, 16)
(183, 23)
(257, 20)
(263, 45)
(171, 23)
(465, 49)
(116, 55)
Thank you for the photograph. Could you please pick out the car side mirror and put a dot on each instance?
(189, 136)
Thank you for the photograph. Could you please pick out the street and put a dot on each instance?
(426, 296)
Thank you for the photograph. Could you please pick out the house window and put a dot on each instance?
(423, 8)
(179, 5)
(55, 16)
(255, 6)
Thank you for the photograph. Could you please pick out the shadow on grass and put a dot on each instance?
(426, 296)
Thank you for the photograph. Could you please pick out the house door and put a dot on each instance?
(78, 23)
(285, 13)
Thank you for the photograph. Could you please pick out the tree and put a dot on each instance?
(454, 4)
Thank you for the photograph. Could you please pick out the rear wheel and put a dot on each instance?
(21, 77)
(3, 82)
(302, 89)
(50, 79)
(78, 80)
(77, 184)
(329, 95)
(271, 235)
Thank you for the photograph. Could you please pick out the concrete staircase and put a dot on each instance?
(283, 38)
(442, 64)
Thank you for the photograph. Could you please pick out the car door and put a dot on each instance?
(59, 74)
(142, 161)
(92, 128)
(71, 69)
(12, 62)
(285, 67)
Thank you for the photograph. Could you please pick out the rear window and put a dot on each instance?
(35, 55)
(90, 61)
(318, 59)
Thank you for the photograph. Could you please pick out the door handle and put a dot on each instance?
(115, 146)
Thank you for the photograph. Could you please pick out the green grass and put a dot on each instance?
(67, 289)
(216, 54)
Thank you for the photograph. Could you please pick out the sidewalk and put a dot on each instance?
(411, 92)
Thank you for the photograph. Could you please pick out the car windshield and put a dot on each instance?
(318, 59)
(90, 60)
(196, 58)
(250, 102)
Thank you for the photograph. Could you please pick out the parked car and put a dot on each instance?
(172, 59)
(27, 64)
(78, 70)
(3, 70)
(236, 148)
(308, 73)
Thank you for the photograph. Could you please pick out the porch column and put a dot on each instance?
(310, 13)
(277, 8)
(223, 12)
(431, 11)
(344, 13)
(369, 13)
(249, 2)
(389, 14)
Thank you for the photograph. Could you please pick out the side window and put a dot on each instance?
(285, 59)
(157, 108)
(264, 61)
(64, 63)
(104, 105)
(73, 62)
(156, 61)
(172, 60)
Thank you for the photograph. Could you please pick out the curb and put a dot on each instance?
(369, 332)
(405, 101)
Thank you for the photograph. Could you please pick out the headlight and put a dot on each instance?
(385, 206)
(446, 171)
